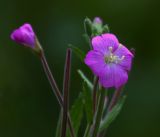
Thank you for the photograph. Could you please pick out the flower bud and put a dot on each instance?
(97, 26)
(97, 20)
(25, 35)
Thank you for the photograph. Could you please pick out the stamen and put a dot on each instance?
(120, 45)
(113, 59)
(110, 49)
(122, 57)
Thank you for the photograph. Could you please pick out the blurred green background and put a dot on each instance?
(27, 106)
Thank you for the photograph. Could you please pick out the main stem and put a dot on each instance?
(55, 88)
(115, 98)
(95, 94)
(66, 92)
(113, 101)
(99, 114)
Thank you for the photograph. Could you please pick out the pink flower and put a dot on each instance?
(24, 35)
(109, 60)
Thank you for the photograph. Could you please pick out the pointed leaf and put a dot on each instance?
(79, 53)
(88, 40)
(58, 128)
(111, 116)
(90, 85)
(76, 114)
(88, 26)
(87, 100)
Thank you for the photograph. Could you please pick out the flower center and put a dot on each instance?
(111, 58)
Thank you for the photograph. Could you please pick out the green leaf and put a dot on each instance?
(80, 54)
(88, 40)
(88, 26)
(87, 100)
(76, 113)
(111, 116)
(90, 85)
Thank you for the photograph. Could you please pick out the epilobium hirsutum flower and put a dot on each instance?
(109, 60)
(24, 35)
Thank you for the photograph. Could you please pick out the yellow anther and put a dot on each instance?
(113, 59)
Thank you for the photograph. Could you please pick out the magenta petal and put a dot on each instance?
(111, 40)
(122, 50)
(27, 27)
(95, 60)
(24, 35)
(113, 76)
(103, 42)
(126, 63)
(98, 44)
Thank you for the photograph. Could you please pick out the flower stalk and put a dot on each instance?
(50, 78)
(55, 88)
(66, 92)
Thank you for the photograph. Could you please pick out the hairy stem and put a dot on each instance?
(95, 94)
(113, 101)
(99, 114)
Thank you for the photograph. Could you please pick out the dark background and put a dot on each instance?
(27, 106)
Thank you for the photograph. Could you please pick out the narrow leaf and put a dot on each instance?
(87, 39)
(79, 53)
(87, 100)
(90, 85)
(88, 26)
(111, 116)
(58, 125)
(76, 113)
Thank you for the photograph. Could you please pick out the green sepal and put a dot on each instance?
(97, 29)
(106, 29)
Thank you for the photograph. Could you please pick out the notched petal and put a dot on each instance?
(104, 42)
(126, 62)
(113, 76)
(110, 40)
